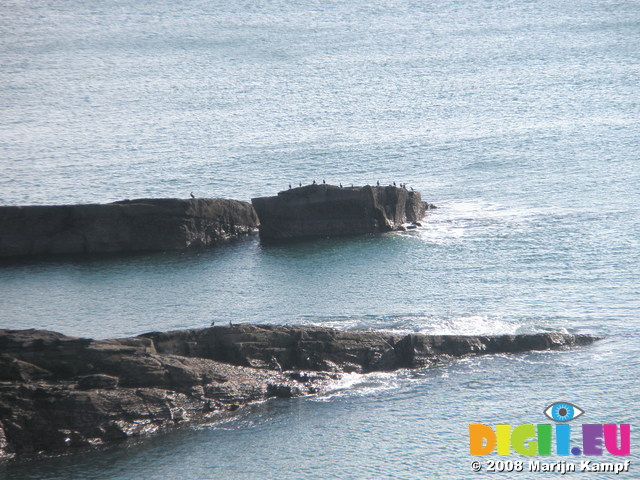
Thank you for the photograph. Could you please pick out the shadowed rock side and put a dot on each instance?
(126, 226)
(59, 392)
(328, 210)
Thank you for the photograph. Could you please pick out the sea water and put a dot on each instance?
(519, 119)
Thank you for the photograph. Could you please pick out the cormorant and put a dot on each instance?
(394, 184)
(340, 185)
(378, 183)
(213, 323)
(289, 186)
(323, 182)
(192, 195)
(299, 184)
(314, 182)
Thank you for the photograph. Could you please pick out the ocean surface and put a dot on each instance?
(519, 119)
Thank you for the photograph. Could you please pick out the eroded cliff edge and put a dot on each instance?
(141, 225)
(329, 210)
(161, 224)
(59, 392)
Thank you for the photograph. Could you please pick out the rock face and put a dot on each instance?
(59, 392)
(328, 210)
(126, 226)
(159, 224)
(328, 349)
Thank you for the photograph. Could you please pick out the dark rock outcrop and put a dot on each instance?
(328, 210)
(328, 349)
(58, 392)
(127, 226)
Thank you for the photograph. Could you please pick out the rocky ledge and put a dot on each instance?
(59, 392)
(154, 224)
(160, 224)
(329, 210)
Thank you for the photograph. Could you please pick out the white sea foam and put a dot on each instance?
(458, 219)
(356, 384)
(428, 324)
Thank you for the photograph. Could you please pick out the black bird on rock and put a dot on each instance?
(192, 195)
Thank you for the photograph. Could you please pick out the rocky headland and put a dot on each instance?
(143, 225)
(329, 210)
(164, 224)
(59, 392)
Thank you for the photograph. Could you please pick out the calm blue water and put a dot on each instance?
(520, 119)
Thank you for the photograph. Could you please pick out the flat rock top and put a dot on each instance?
(324, 189)
(278, 347)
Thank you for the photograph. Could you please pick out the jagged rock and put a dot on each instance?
(127, 226)
(92, 382)
(330, 350)
(328, 210)
(59, 392)
(14, 369)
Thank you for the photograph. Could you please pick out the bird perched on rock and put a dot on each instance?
(340, 185)
(394, 184)
(192, 195)
(314, 182)
(378, 183)
(323, 182)
(299, 184)
(289, 186)
(213, 323)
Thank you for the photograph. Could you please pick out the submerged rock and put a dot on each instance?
(328, 210)
(59, 392)
(155, 224)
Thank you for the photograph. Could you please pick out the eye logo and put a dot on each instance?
(563, 412)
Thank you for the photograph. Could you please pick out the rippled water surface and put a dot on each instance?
(519, 119)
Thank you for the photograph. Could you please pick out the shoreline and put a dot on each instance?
(60, 393)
